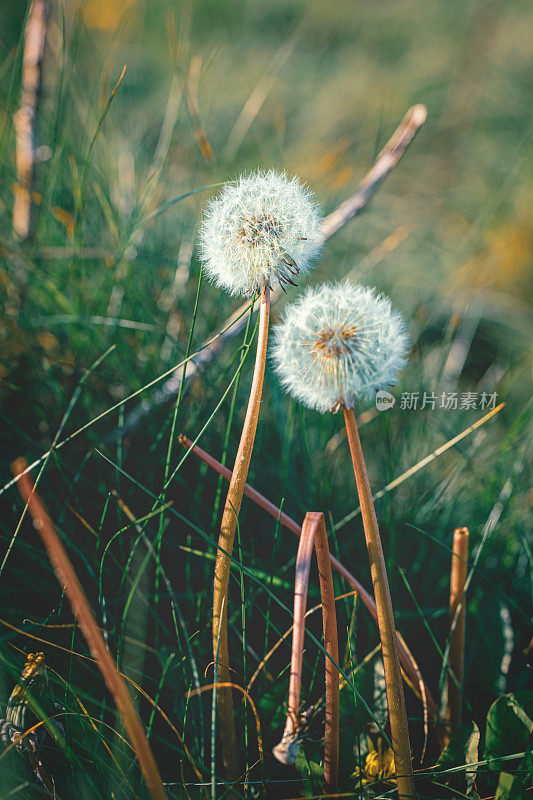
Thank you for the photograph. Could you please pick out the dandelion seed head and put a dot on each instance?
(262, 229)
(338, 343)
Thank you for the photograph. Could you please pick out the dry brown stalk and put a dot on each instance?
(235, 324)
(384, 163)
(34, 36)
(459, 571)
(228, 528)
(313, 535)
(387, 631)
(68, 580)
(407, 661)
(175, 610)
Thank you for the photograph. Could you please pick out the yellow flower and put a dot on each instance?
(379, 765)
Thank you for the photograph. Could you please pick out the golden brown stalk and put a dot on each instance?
(386, 160)
(82, 611)
(225, 542)
(456, 652)
(407, 661)
(313, 534)
(387, 630)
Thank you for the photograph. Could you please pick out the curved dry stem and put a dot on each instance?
(68, 580)
(225, 542)
(313, 534)
(387, 630)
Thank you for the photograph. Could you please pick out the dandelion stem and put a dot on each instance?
(227, 535)
(458, 575)
(387, 630)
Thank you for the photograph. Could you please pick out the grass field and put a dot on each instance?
(209, 91)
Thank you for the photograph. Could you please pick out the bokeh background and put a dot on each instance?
(210, 90)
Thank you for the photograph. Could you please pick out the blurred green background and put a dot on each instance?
(212, 89)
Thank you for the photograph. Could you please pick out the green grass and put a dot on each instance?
(335, 80)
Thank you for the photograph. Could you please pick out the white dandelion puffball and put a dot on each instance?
(338, 343)
(262, 229)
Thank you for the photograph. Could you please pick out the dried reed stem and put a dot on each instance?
(225, 542)
(387, 630)
(34, 36)
(382, 166)
(407, 661)
(313, 534)
(459, 570)
(68, 580)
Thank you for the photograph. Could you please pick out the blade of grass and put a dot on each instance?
(421, 464)
(88, 159)
(254, 578)
(228, 426)
(73, 400)
(80, 606)
(114, 407)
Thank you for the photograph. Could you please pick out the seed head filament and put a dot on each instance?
(340, 350)
(335, 343)
(261, 230)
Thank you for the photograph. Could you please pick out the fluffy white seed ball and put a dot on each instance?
(338, 343)
(262, 229)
